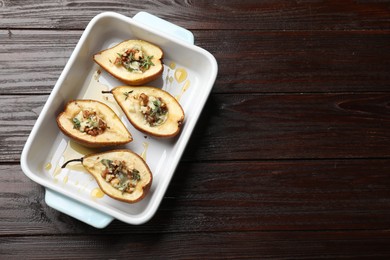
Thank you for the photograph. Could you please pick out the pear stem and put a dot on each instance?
(106, 92)
(73, 160)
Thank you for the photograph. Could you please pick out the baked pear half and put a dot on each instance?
(121, 174)
(134, 62)
(92, 124)
(150, 110)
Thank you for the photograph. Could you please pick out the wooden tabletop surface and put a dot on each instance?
(289, 159)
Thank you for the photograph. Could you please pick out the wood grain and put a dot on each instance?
(32, 61)
(256, 61)
(232, 245)
(253, 126)
(264, 62)
(290, 157)
(17, 116)
(228, 197)
(248, 14)
(295, 126)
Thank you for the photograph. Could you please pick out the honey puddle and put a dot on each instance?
(97, 193)
(48, 166)
(172, 65)
(180, 75)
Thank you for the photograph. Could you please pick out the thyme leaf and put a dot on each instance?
(146, 63)
(127, 94)
(76, 123)
(107, 162)
(136, 176)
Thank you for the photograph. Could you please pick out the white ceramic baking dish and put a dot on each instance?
(189, 74)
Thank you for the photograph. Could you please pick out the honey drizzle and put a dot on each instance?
(66, 178)
(143, 154)
(183, 89)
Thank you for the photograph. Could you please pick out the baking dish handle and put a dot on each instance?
(77, 210)
(164, 26)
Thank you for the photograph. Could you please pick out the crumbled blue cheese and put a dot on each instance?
(91, 122)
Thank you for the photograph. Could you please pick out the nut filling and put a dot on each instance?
(120, 176)
(87, 121)
(154, 109)
(134, 60)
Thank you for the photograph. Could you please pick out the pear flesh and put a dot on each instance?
(92, 124)
(121, 174)
(134, 62)
(150, 109)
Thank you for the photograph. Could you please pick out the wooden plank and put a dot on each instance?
(248, 14)
(18, 114)
(266, 62)
(252, 126)
(231, 245)
(32, 61)
(255, 61)
(294, 126)
(228, 197)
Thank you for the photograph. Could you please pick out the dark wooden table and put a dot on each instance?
(290, 158)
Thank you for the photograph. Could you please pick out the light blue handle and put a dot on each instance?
(165, 26)
(77, 210)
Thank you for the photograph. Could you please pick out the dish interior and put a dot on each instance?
(188, 75)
